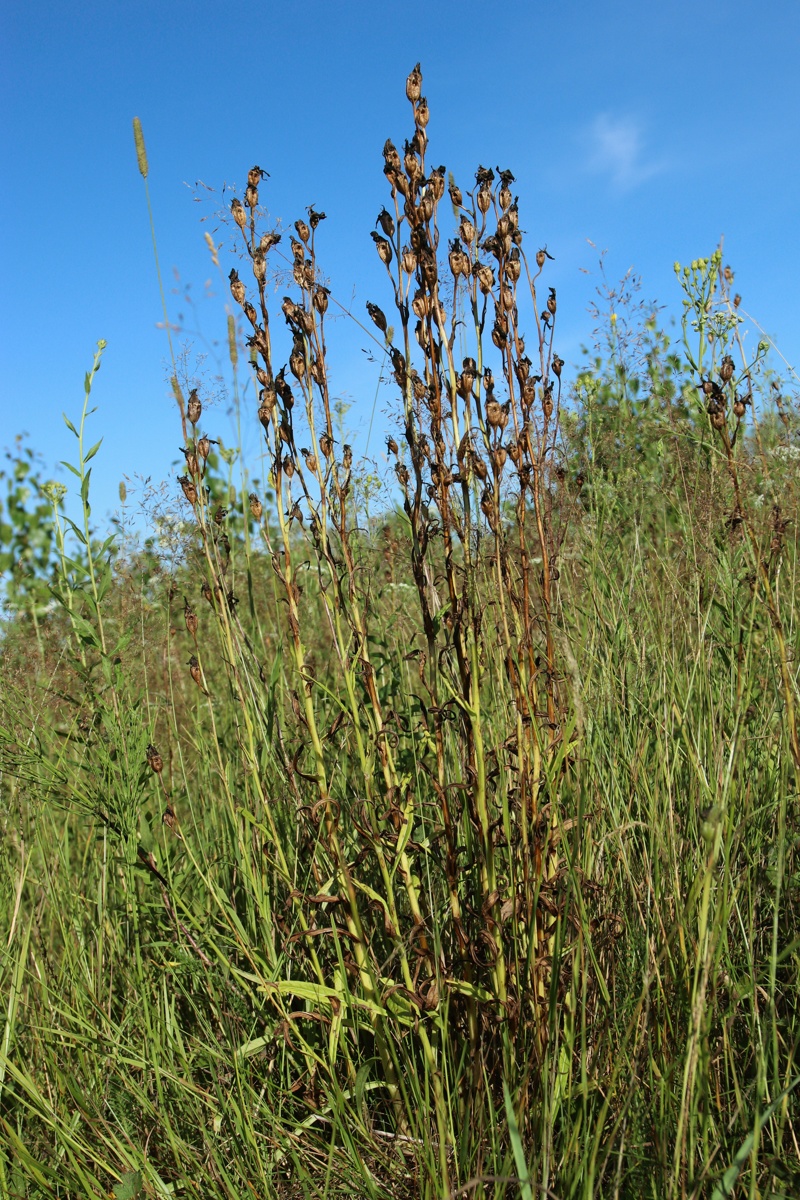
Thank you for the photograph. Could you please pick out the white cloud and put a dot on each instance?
(616, 149)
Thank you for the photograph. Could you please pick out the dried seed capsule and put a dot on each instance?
(190, 617)
(455, 193)
(484, 199)
(288, 466)
(391, 445)
(378, 316)
(467, 230)
(738, 408)
(557, 364)
(726, 369)
(239, 215)
(409, 260)
(194, 408)
(251, 196)
(321, 295)
(383, 247)
(189, 489)
(196, 673)
(237, 287)
(260, 264)
(303, 232)
(414, 85)
(422, 114)
(256, 507)
(551, 302)
(255, 175)
(154, 760)
(326, 444)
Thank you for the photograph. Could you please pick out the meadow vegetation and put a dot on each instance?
(431, 836)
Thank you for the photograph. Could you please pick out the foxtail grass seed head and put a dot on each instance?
(141, 152)
(414, 84)
(194, 408)
(239, 214)
(154, 760)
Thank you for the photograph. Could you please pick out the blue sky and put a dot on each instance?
(649, 130)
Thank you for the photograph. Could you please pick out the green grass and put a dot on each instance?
(464, 863)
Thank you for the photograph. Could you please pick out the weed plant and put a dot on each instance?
(449, 855)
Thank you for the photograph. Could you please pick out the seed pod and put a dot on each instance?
(414, 84)
(194, 408)
(303, 232)
(726, 369)
(190, 617)
(256, 507)
(251, 196)
(321, 295)
(401, 471)
(541, 256)
(237, 287)
(196, 673)
(239, 215)
(288, 466)
(485, 277)
(378, 316)
(326, 444)
(297, 363)
(718, 419)
(260, 264)
(505, 197)
(484, 199)
(467, 230)
(499, 456)
(495, 417)
(738, 408)
(409, 260)
(479, 467)
(347, 456)
(420, 305)
(422, 114)
(506, 298)
(547, 404)
(391, 445)
(255, 175)
(386, 222)
(557, 364)
(250, 313)
(189, 489)
(551, 302)
(383, 247)
(310, 461)
(737, 300)
(455, 193)
(154, 760)
(268, 240)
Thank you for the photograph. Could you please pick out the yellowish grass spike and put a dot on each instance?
(141, 153)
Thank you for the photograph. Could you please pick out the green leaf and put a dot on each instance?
(70, 467)
(69, 425)
(130, 1186)
(84, 630)
(525, 1189)
(93, 450)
